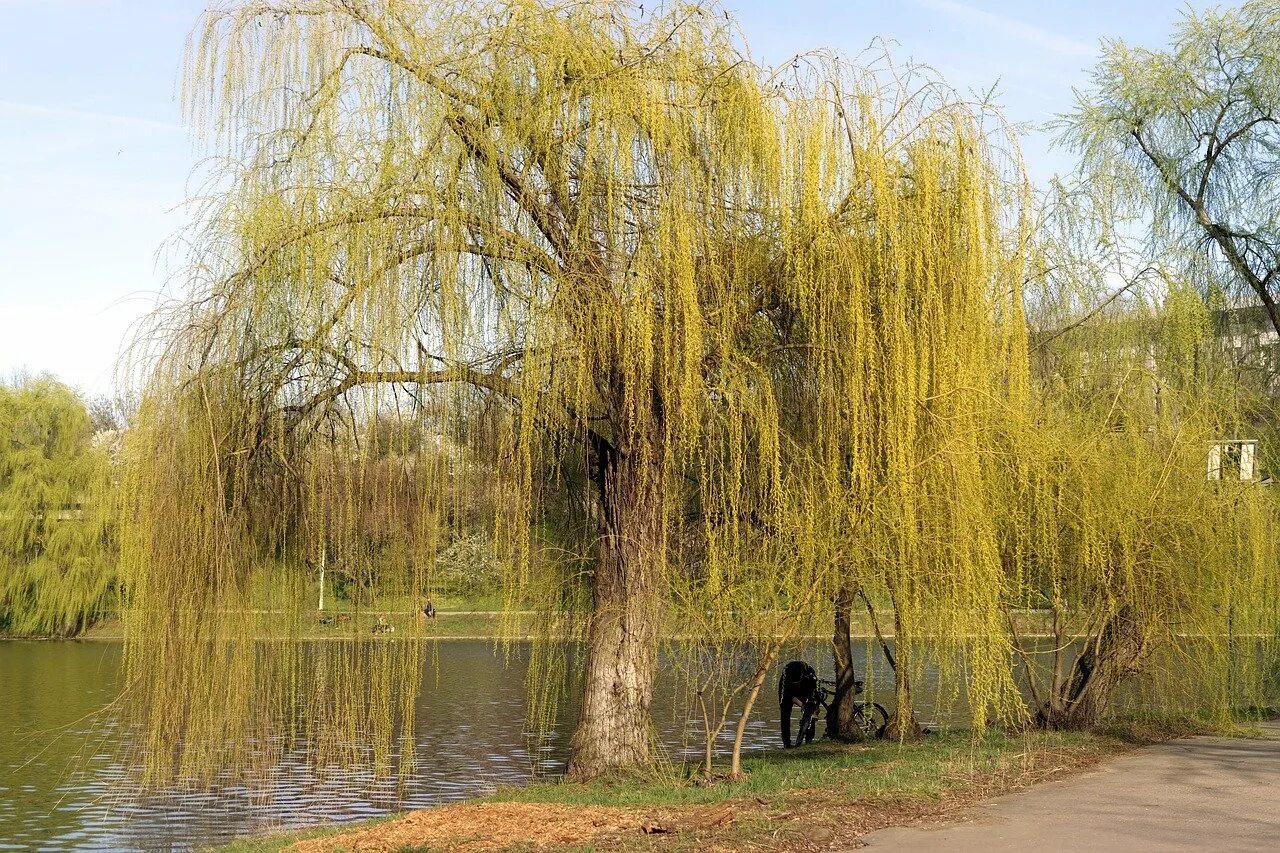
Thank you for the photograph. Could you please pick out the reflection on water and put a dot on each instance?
(63, 787)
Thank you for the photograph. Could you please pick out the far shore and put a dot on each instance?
(477, 624)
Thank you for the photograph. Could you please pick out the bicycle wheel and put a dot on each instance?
(809, 725)
(871, 718)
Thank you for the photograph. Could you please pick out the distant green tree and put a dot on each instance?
(57, 550)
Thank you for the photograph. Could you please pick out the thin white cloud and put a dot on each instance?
(1028, 33)
(89, 115)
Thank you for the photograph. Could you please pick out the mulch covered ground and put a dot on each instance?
(502, 826)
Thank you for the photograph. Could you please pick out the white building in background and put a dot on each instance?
(1233, 459)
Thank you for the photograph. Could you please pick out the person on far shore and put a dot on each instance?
(429, 610)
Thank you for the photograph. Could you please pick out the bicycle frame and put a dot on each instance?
(820, 701)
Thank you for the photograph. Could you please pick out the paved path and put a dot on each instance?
(1196, 794)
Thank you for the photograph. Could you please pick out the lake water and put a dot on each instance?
(63, 787)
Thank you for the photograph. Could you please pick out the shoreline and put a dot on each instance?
(823, 796)
(453, 625)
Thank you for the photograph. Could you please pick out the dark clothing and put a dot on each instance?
(799, 681)
(796, 687)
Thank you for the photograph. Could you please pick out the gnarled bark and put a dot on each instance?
(615, 732)
(1081, 700)
(840, 720)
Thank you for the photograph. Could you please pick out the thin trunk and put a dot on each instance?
(1028, 665)
(875, 626)
(903, 724)
(762, 670)
(615, 733)
(710, 733)
(840, 720)
(709, 737)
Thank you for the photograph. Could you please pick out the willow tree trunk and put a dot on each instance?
(840, 722)
(903, 724)
(1082, 700)
(615, 731)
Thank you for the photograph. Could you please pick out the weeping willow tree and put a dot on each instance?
(1188, 133)
(1149, 573)
(707, 328)
(1183, 137)
(1155, 579)
(57, 547)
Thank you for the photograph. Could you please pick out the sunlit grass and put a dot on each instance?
(924, 769)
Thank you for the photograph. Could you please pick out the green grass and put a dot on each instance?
(927, 769)
(817, 780)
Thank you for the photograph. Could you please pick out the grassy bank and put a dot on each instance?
(811, 798)
(344, 625)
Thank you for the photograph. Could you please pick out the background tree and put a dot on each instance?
(1190, 135)
(57, 543)
(926, 349)
(1146, 570)
(1107, 521)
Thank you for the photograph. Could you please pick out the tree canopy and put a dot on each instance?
(57, 520)
(722, 346)
(1189, 134)
(692, 308)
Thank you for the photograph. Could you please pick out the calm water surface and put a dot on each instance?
(62, 786)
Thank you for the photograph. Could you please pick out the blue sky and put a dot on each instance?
(94, 160)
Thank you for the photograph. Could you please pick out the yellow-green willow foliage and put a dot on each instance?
(904, 348)
(1155, 581)
(57, 548)
(704, 329)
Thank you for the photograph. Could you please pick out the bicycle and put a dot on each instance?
(870, 717)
